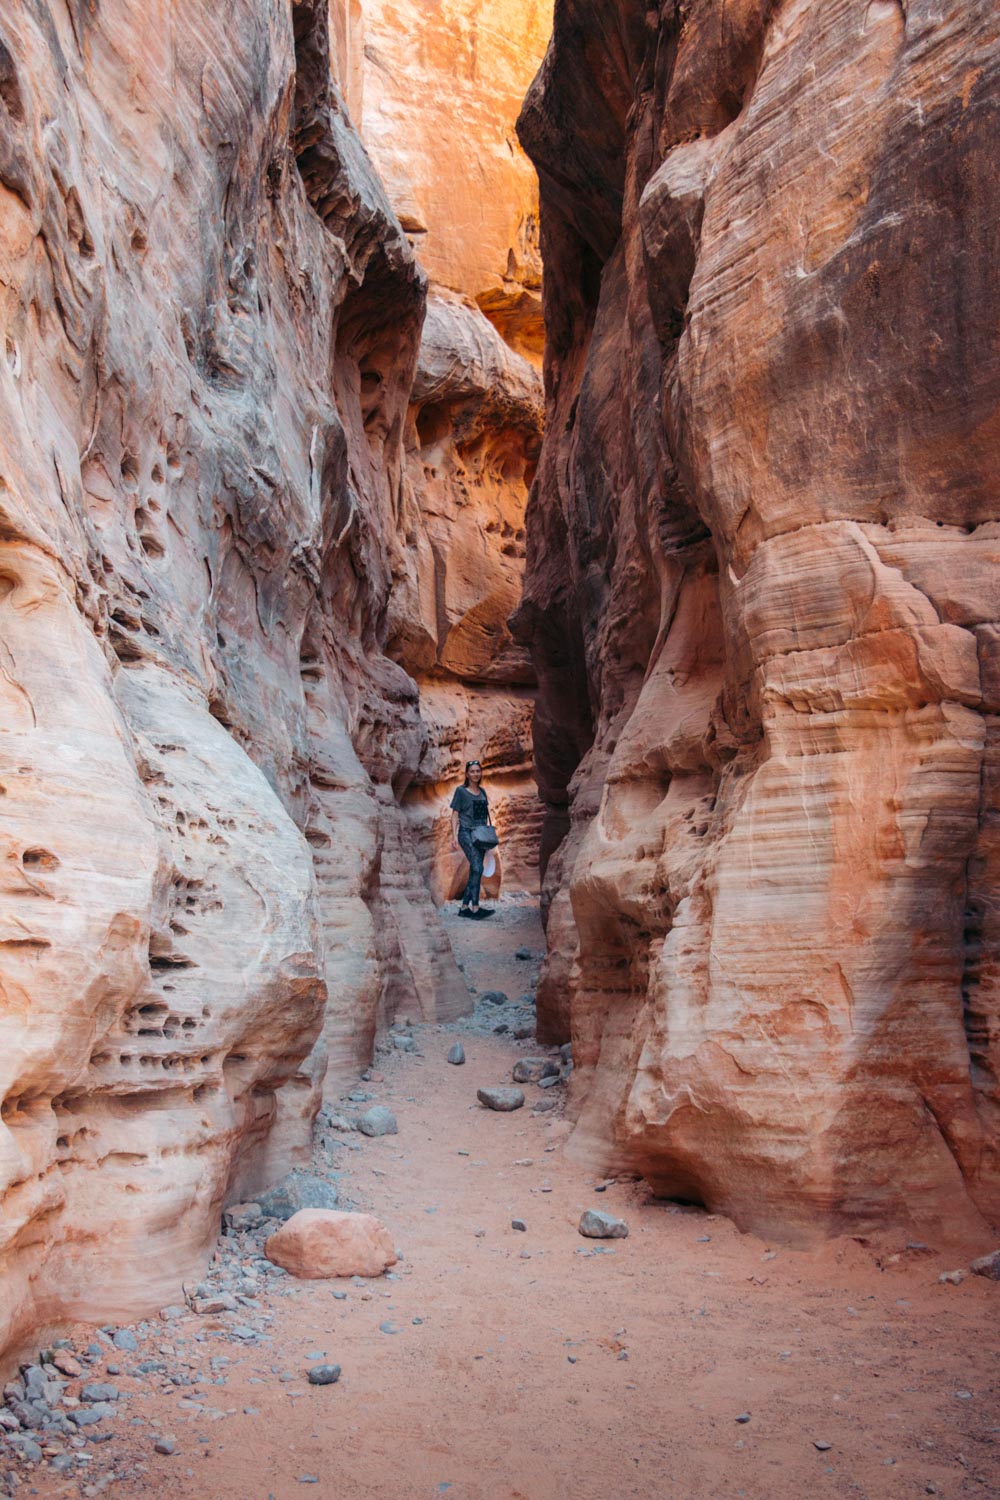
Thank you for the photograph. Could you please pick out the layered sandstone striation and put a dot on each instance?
(763, 597)
(210, 321)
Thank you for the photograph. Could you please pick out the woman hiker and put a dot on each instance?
(470, 808)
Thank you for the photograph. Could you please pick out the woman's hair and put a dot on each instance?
(469, 763)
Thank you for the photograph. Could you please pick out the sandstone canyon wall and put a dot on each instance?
(442, 86)
(762, 599)
(210, 323)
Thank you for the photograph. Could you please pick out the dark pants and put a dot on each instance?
(474, 854)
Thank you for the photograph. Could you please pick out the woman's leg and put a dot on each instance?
(474, 855)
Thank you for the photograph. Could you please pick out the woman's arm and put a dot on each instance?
(454, 831)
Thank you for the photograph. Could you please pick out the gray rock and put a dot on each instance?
(8, 1421)
(165, 1445)
(501, 1099)
(523, 1033)
(124, 1338)
(534, 1069)
(297, 1190)
(457, 1055)
(494, 997)
(63, 1463)
(404, 1044)
(549, 1081)
(35, 1379)
(323, 1375)
(26, 1448)
(519, 1224)
(388, 1328)
(88, 1416)
(527, 999)
(988, 1266)
(98, 1390)
(378, 1121)
(243, 1216)
(596, 1225)
(500, 1028)
(223, 1302)
(544, 1105)
(524, 954)
(566, 1052)
(172, 1313)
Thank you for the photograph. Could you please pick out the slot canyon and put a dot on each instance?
(608, 392)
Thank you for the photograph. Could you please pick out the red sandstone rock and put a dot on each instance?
(760, 602)
(318, 1242)
(210, 322)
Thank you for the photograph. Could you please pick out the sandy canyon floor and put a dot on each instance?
(498, 1364)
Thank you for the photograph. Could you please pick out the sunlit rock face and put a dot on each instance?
(442, 86)
(210, 320)
(762, 594)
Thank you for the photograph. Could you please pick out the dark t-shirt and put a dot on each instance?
(470, 808)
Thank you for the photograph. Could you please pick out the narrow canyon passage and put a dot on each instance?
(608, 392)
(493, 1363)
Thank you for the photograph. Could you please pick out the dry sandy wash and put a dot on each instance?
(527, 1365)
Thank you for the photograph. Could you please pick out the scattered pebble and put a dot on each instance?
(325, 1374)
(519, 1224)
(456, 1055)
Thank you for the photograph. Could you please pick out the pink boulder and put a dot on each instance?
(319, 1242)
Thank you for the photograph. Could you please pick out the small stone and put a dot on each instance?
(225, 1302)
(26, 1448)
(323, 1374)
(388, 1328)
(549, 1081)
(543, 1106)
(404, 1044)
(502, 1099)
(165, 1445)
(524, 954)
(98, 1391)
(951, 1278)
(519, 1224)
(339, 1295)
(243, 1216)
(124, 1338)
(378, 1121)
(523, 1033)
(744, 1416)
(988, 1266)
(456, 1055)
(534, 1070)
(566, 1052)
(821, 1446)
(172, 1313)
(595, 1225)
(494, 997)
(307, 1478)
(66, 1364)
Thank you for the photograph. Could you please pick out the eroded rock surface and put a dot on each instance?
(442, 86)
(762, 601)
(210, 321)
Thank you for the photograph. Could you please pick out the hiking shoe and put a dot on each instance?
(484, 911)
(463, 911)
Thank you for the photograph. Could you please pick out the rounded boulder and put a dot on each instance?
(321, 1242)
